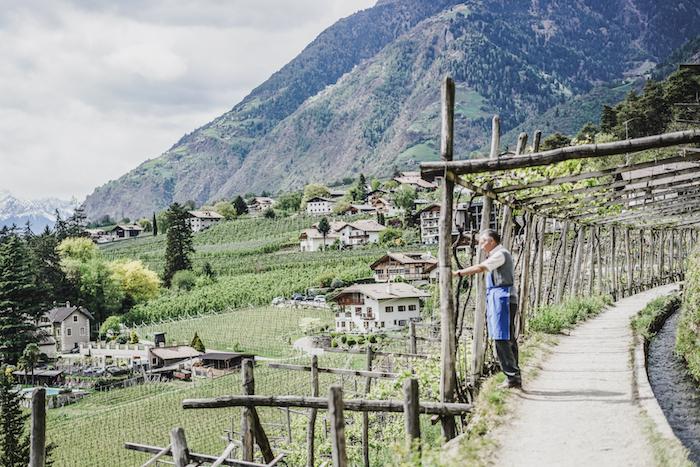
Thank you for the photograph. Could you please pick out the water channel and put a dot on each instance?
(677, 393)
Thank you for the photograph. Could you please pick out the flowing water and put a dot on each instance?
(676, 391)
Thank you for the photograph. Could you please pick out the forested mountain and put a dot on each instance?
(364, 95)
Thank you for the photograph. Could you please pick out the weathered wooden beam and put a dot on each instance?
(431, 169)
(353, 405)
(224, 455)
(37, 442)
(411, 403)
(365, 415)
(162, 453)
(202, 458)
(311, 427)
(380, 353)
(336, 371)
(448, 351)
(247, 436)
(180, 451)
(335, 413)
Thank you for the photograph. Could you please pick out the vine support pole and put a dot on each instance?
(562, 262)
(37, 449)
(311, 427)
(525, 275)
(365, 415)
(479, 336)
(448, 374)
(628, 262)
(542, 225)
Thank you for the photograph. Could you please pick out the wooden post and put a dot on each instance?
(642, 273)
(562, 270)
(412, 347)
(365, 415)
(448, 373)
(525, 275)
(248, 382)
(540, 258)
(522, 143)
(289, 426)
(411, 414)
(479, 336)
(628, 262)
(613, 263)
(180, 452)
(311, 427)
(536, 141)
(335, 414)
(591, 249)
(575, 280)
(599, 260)
(37, 451)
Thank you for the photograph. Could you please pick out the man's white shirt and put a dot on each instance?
(495, 260)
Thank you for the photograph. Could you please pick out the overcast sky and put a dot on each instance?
(89, 89)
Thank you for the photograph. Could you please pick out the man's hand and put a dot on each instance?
(470, 271)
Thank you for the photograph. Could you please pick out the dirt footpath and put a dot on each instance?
(579, 409)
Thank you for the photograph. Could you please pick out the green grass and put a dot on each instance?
(268, 331)
(470, 104)
(553, 319)
(421, 152)
(688, 334)
(649, 319)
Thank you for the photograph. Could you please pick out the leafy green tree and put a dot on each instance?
(111, 327)
(359, 191)
(587, 134)
(380, 218)
(375, 183)
(79, 249)
(312, 190)
(133, 337)
(405, 197)
(30, 357)
(226, 209)
(197, 343)
(608, 119)
(289, 202)
(184, 280)
(146, 225)
(269, 213)
(50, 281)
(14, 439)
(19, 304)
(324, 227)
(555, 141)
(98, 289)
(390, 237)
(240, 205)
(137, 282)
(155, 225)
(178, 244)
(207, 270)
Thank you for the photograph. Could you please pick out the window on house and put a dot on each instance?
(358, 310)
(402, 322)
(382, 324)
(394, 322)
(389, 309)
(75, 318)
(369, 310)
(69, 332)
(402, 307)
(411, 308)
(82, 331)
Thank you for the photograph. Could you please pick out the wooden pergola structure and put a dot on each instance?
(616, 225)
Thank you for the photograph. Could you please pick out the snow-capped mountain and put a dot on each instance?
(39, 213)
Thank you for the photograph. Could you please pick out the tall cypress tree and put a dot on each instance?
(178, 242)
(19, 304)
(155, 225)
(14, 441)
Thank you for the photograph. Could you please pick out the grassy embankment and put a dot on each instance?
(688, 334)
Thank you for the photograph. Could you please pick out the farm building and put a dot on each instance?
(169, 357)
(414, 180)
(465, 218)
(223, 360)
(68, 326)
(200, 220)
(126, 231)
(260, 204)
(318, 206)
(407, 266)
(349, 234)
(359, 209)
(42, 377)
(373, 307)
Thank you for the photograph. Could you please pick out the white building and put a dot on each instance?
(414, 180)
(350, 234)
(467, 218)
(200, 220)
(318, 206)
(260, 204)
(377, 307)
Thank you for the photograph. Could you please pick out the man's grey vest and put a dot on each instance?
(504, 276)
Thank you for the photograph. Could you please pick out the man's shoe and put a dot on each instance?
(508, 384)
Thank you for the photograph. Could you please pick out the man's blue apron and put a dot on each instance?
(497, 309)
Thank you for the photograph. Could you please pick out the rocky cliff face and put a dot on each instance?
(364, 96)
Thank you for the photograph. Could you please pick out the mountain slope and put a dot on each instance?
(39, 213)
(365, 95)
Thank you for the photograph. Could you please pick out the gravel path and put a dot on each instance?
(579, 409)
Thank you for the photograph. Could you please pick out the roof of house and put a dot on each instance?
(262, 200)
(206, 214)
(314, 233)
(320, 198)
(407, 258)
(384, 291)
(360, 207)
(176, 351)
(415, 180)
(39, 372)
(366, 225)
(59, 314)
(126, 227)
(223, 356)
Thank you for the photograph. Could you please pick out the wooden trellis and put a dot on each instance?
(614, 230)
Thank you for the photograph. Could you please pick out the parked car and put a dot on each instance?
(277, 300)
(116, 371)
(298, 297)
(320, 299)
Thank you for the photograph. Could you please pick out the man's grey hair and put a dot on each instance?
(492, 234)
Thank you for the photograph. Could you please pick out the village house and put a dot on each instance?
(406, 266)
(167, 358)
(355, 209)
(384, 206)
(377, 307)
(414, 180)
(259, 205)
(349, 234)
(318, 206)
(467, 218)
(200, 220)
(99, 235)
(126, 231)
(336, 195)
(68, 325)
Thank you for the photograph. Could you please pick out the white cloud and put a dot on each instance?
(91, 88)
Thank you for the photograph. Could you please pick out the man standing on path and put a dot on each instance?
(501, 303)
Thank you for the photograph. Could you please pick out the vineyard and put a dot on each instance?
(268, 331)
(93, 431)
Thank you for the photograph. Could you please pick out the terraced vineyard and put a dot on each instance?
(268, 331)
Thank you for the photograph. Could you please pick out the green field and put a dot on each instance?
(268, 331)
